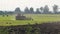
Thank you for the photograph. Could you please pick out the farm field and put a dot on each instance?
(37, 18)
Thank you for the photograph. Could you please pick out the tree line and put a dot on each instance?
(41, 10)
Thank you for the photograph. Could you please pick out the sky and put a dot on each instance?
(10, 5)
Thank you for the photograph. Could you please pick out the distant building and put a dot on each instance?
(20, 17)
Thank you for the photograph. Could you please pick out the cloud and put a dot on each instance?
(12, 4)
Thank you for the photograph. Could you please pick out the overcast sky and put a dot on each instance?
(12, 4)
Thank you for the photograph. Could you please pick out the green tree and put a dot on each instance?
(1, 12)
(46, 9)
(41, 9)
(26, 10)
(55, 8)
(17, 10)
(38, 11)
(31, 10)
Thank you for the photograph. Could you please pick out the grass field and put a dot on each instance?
(37, 18)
